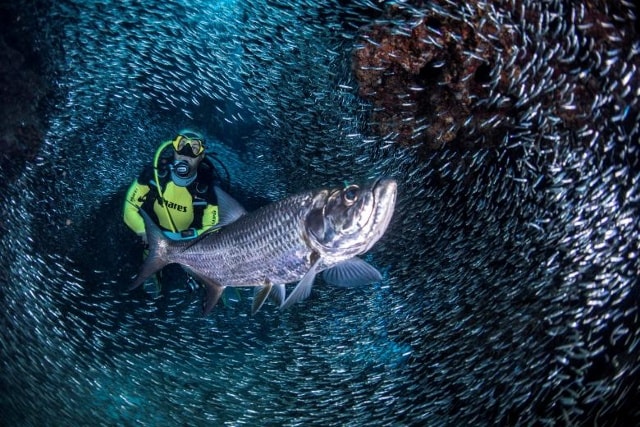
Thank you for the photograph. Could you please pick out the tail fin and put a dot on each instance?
(157, 257)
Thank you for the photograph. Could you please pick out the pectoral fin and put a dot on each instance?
(303, 288)
(260, 297)
(351, 273)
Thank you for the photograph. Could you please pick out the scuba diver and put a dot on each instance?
(177, 193)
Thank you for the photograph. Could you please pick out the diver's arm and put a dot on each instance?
(209, 218)
(135, 198)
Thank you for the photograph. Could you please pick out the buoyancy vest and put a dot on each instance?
(177, 208)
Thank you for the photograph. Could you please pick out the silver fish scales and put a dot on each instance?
(267, 244)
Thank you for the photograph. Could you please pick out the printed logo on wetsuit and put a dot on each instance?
(173, 205)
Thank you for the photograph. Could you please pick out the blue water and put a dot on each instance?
(510, 274)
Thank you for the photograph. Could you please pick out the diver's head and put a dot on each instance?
(189, 144)
(188, 153)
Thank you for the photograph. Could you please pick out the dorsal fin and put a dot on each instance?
(230, 210)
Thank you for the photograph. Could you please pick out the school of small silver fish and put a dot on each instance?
(509, 291)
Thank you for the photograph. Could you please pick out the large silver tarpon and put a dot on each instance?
(284, 242)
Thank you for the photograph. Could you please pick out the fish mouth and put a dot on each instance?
(385, 192)
(385, 188)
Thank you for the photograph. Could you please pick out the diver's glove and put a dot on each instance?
(188, 234)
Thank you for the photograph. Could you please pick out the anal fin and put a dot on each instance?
(278, 294)
(213, 291)
(260, 297)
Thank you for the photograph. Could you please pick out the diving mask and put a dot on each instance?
(188, 145)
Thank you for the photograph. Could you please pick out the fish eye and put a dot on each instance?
(350, 194)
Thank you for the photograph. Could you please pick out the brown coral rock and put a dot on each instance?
(473, 75)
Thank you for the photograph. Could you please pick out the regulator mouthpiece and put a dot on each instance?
(181, 168)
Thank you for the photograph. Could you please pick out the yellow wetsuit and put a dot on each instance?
(194, 206)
